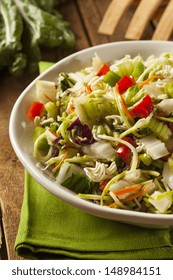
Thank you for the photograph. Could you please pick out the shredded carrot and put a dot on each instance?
(129, 198)
(132, 197)
(71, 108)
(52, 132)
(88, 89)
(123, 104)
(59, 164)
(150, 79)
(127, 190)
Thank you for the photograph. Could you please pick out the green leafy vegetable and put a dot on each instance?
(49, 5)
(80, 184)
(47, 29)
(11, 28)
(25, 27)
(66, 81)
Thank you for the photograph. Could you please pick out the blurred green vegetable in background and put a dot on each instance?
(25, 27)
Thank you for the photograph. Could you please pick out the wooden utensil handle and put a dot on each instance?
(165, 25)
(141, 17)
(112, 16)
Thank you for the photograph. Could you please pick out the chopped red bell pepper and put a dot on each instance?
(103, 70)
(124, 83)
(144, 108)
(123, 151)
(35, 109)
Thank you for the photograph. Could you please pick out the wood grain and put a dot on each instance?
(0, 227)
(141, 18)
(165, 26)
(113, 15)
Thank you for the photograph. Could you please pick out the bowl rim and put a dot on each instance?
(56, 189)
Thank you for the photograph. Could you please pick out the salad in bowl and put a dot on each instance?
(101, 134)
(106, 132)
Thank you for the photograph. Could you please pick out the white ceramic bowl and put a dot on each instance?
(20, 129)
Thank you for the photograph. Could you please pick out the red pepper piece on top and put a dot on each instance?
(144, 108)
(35, 110)
(103, 70)
(123, 151)
(124, 83)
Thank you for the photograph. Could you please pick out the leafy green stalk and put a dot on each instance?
(31, 49)
(48, 5)
(48, 29)
(25, 27)
(11, 28)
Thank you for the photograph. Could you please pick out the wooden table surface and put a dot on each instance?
(84, 18)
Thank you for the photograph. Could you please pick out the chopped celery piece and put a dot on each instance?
(111, 78)
(51, 109)
(146, 159)
(138, 70)
(168, 89)
(160, 129)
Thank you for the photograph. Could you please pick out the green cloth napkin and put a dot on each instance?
(51, 229)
